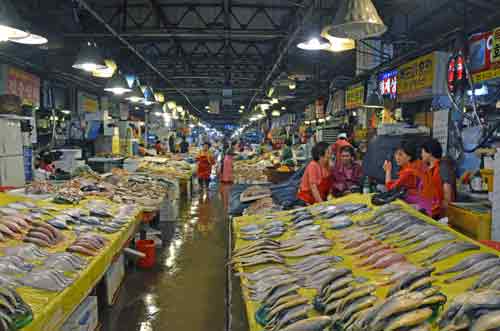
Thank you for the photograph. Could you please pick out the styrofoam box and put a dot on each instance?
(84, 318)
(114, 277)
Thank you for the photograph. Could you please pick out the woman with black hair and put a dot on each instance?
(316, 181)
(438, 180)
(405, 157)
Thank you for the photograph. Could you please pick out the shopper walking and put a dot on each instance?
(205, 162)
(171, 143)
(227, 166)
(184, 147)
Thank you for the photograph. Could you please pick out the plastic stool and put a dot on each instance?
(149, 249)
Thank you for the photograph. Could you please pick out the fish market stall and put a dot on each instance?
(353, 266)
(54, 255)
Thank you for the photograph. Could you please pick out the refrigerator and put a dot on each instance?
(11, 153)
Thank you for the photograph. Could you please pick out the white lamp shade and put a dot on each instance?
(357, 19)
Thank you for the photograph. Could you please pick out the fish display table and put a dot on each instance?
(357, 282)
(52, 308)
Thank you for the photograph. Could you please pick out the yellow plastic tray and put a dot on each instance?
(450, 290)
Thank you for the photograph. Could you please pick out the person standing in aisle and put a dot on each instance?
(205, 161)
(227, 166)
(438, 188)
(184, 147)
(316, 182)
(171, 143)
(159, 148)
(339, 144)
(286, 152)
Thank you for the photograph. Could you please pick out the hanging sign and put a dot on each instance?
(355, 96)
(24, 85)
(495, 47)
(423, 78)
(416, 77)
(388, 83)
(87, 103)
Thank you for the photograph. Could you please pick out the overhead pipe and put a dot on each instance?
(108, 27)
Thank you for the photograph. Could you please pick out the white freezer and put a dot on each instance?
(11, 140)
(12, 171)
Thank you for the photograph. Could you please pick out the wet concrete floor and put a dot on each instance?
(187, 288)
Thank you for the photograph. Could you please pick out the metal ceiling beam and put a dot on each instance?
(85, 5)
(284, 50)
(186, 33)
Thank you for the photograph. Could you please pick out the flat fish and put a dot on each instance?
(305, 251)
(468, 262)
(409, 279)
(375, 257)
(367, 245)
(310, 324)
(412, 318)
(475, 269)
(487, 322)
(337, 225)
(388, 260)
(451, 249)
(487, 278)
(431, 241)
(422, 236)
(374, 250)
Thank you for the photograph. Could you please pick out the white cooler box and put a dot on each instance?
(84, 318)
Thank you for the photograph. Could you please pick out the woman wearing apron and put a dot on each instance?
(316, 182)
(205, 163)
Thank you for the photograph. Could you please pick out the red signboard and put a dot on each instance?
(24, 85)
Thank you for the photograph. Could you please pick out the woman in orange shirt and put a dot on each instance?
(316, 181)
(438, 187)
(405, 157)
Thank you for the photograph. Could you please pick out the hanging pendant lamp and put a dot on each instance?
(357, 19)
(89, 58)
(11, 25)
(337, 44)
(117, 84)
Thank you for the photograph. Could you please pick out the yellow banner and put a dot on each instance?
(89, 105)
(416, 77)
(355, 96)
(495, 46)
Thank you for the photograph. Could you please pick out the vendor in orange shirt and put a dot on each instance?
(316, 181)
(438, 180)
(405, 157)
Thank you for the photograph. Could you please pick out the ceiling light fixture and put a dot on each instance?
(357, 19)
(283, 108)
(117, 85)
(276, 113)
(11, 27)
(314, 44)
(292, 85)
(242, 107)
(171, 105)
(31, 39)
(337, 44)
(108, 72)
(274, 101)
(240, 111)
(89, 58)
(136, 95)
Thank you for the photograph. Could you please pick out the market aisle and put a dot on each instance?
(186, 290)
